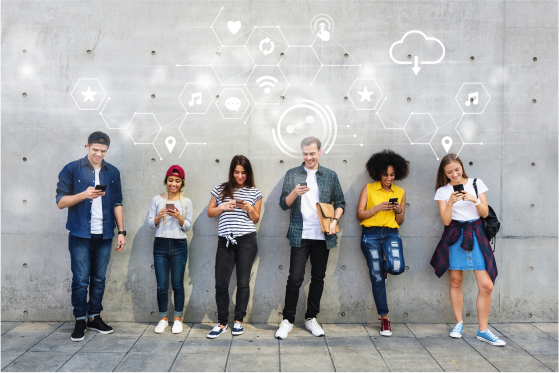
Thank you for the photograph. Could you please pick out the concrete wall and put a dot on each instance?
(44, 129)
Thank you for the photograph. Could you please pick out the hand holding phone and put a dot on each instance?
(301, 188)
(459, 188)
(170, 206)
(102, 188)
(393, 201)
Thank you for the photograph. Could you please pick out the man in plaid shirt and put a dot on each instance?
(303, 187)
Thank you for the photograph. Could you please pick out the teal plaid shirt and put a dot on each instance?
(330, 191)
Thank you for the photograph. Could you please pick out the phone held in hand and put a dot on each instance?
(239, 201)
(170, 206)
(458, 188)
(303, 184)
(100, 187)
(393, 200)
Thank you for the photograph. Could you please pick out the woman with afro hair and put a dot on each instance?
(381, 209)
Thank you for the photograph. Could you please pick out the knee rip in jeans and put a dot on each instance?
(374, 253)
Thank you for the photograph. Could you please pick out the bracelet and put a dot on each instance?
(398, 213)
(336, 219)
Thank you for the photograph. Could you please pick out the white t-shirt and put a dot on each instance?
(97, 210)
(462, 210)
(311, 224)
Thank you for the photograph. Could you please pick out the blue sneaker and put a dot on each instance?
(237, 328)
(490, 338)
(216, 332)
(457, 330)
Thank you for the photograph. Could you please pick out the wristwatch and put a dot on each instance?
(336, 219)
(122, 232)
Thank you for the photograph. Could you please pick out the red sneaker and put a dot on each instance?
(385, 327)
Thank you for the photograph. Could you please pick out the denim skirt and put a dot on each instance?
(463, 260)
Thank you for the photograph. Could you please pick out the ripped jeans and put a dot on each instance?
(383, 251)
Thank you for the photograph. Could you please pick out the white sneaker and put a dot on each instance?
(284, 329)
(312, 325)
(160, 328)
(177, 327)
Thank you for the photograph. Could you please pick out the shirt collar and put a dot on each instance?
(379, 187)
(302, 168)
(85, 161)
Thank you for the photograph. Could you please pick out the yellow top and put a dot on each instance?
(376, 195)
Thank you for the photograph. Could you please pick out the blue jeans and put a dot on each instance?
(382, 248)
(89, 259)
(169, 254)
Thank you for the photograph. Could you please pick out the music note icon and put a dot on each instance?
(194, 96)
(472, 97)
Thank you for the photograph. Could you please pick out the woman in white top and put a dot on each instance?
(464, 246)
(237, 203)
(171, 215)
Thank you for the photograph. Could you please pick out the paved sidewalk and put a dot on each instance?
(46, 346)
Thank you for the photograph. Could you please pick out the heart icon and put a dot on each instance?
(234, 27)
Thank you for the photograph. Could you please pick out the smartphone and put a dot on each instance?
(238, 201)
(100, 187)
(458, 188)
(393, 200)
(303, 184)
(170, 206)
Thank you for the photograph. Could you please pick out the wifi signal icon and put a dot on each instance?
(268, 82)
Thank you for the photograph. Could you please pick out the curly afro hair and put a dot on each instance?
(379, 162)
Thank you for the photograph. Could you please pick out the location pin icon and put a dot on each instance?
(170, 142)
(447, 143)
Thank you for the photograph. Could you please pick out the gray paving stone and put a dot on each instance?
(254, 346)
(447, 346)
(197, 343)
(524, 363)
(9, 356)
(8, 325)
(93, 362)
(146, 362)
(60, 342)
(529, 338)
(351, 345)
(399, 346)
(241, 362)
(200, 362)
(299, 331)
(315, 345)
(344, 330)
(359, 362)
(39, 362)
(110, 343)
(461, 363)
(412, 363)
(301, 362)
(429, 330)
(548, 328)
(36, 327)
(259, 330)
(150, 342)
(127, 328)
(20, 342)
(398, 330)
(550, 360)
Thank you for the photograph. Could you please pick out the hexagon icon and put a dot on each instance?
(232, 103)
(267, 84)
(420, 128)
(265, 45)
(196, 98)
(88, 94)
(169, 143)
(472, 98)
(143, 128)
(233, 65)
(365, 94)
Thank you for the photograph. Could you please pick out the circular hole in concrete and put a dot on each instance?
(281, 161)
(407, 204)
(409, 56)
(532, 205)
(24, 201)
(153, 53)
(472, 58)
(152, 266)
(346, 55)
(24, 94)
(282, 97)
(471, 163)
(24, 265)
(282, 54)
(409, 99)
(25, 159)
(407, 268)
(280, 267)
(531, 268)
(534, 101)
(530, 315)
(215, 313)
(343, 314)
(406, 314)
(152, 313)
(533, 164)
(152, 95)
(217, 97)
(217, 161)
(535, 59)
(345, 162)
(343, 267)
(88, 51)
(345, 98)
(24, 51)
(25, 312)
(467, 315)
(153, 159)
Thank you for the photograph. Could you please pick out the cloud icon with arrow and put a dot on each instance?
(416, 61)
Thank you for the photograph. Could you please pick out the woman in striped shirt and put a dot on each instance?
(237, 203)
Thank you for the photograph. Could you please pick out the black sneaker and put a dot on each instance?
(99, 325)
(79, 331)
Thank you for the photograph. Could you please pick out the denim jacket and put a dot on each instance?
(75, 178)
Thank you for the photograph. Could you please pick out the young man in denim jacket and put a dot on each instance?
(305, 234)
(92, 214)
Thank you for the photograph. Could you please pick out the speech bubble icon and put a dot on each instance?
(233, 103)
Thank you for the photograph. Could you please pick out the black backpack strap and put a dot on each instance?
(475, 187)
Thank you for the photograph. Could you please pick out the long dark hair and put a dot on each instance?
(442, 179)
(238, 160)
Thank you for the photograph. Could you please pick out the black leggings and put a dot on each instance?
(243, 255)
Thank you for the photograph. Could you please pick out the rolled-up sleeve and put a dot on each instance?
(338, 195)
(65, 183)
(187, 216)
(152, 213)
(118, 193)
(286, 189)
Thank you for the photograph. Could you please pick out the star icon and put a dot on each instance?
(365, 95)
(89, 95)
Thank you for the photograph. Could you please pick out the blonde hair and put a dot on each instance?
(181, 198)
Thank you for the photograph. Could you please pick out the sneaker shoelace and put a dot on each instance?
(457, 327)
(385, 324)
(217, 328)
(284, 325)
(237, 325)
(491, 335)
(314, 323)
